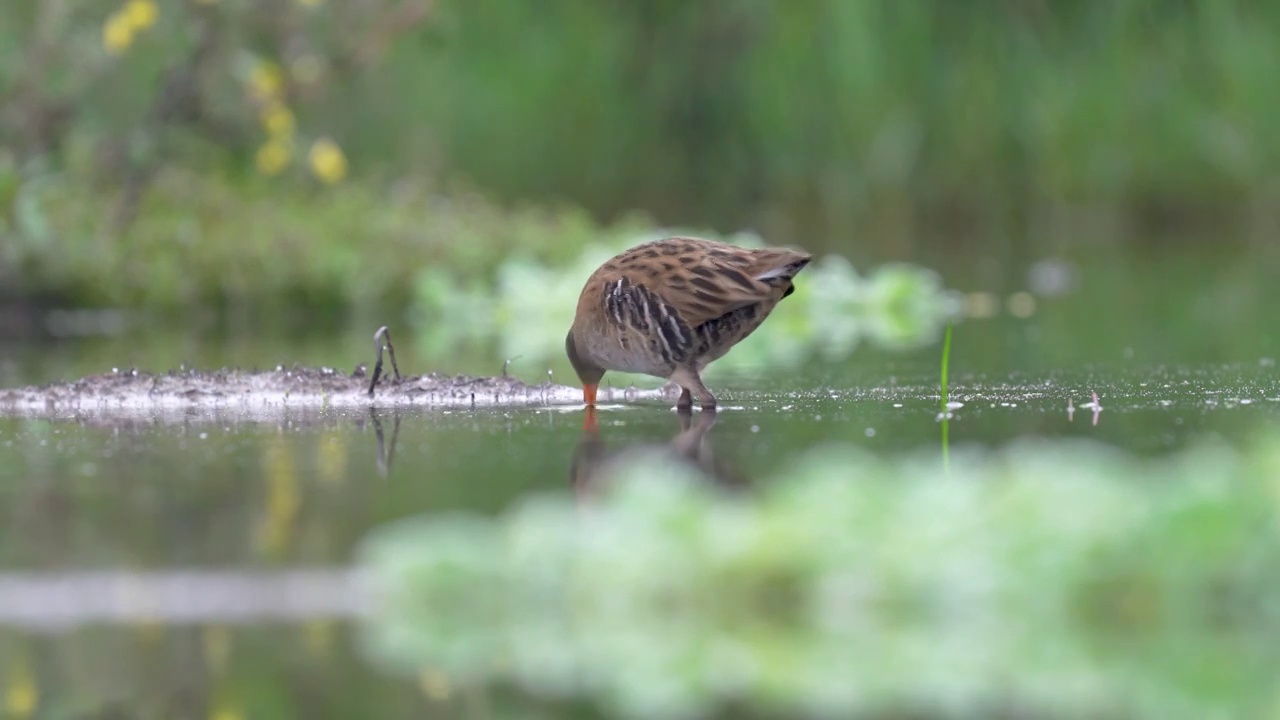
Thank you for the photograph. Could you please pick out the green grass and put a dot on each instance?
(833, 117)
(944, 411)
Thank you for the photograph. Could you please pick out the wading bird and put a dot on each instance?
(670, 307)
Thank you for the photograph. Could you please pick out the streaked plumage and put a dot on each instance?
(670, 307)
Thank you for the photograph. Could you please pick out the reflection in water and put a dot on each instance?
(386, 454)
(1094, 406)
(594, 462)
(59, 601)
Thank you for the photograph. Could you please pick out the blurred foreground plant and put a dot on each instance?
(1047, 577)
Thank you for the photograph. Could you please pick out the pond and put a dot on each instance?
(209, 562)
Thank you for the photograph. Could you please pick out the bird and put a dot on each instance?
(670, 307)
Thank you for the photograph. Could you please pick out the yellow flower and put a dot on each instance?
(278, 120)
(273, 156)
(266, 81)
(140, 14)
(117, 33)
(327, 161)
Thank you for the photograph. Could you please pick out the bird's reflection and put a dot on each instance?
(386, 452)
(594, 460)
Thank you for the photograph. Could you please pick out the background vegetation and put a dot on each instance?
(251, 157)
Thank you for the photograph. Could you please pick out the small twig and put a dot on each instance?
(945, 415)
(381, 338)
(507, 362)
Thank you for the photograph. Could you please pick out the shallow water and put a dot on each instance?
(132, 504)
(155, 564)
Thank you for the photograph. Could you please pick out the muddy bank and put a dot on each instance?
(127, 391)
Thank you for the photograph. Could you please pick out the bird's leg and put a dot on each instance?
(685, 403)
(689, 379)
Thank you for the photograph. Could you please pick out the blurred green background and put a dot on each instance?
(1089, 186)
(230, 166)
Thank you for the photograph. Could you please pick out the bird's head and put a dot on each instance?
(588, 371)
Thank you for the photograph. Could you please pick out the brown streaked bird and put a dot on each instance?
(670, 307)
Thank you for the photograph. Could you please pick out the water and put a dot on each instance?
(200, 563)
(107, 499)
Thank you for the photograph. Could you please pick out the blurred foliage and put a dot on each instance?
(828, 118)
(207, 246)
(226, 151)
(1047, 577)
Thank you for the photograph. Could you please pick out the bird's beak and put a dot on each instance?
(589, 394)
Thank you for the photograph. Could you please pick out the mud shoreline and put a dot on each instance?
(128, 391)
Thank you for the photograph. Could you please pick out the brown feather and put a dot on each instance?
(671, 306)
